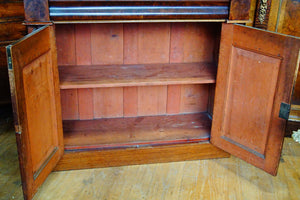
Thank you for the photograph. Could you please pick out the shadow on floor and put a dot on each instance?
(10, 181)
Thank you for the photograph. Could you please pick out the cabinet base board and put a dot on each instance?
(135, 156)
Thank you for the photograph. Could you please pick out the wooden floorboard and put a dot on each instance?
(227, 178)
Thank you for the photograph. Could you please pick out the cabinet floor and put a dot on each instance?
(227, 178)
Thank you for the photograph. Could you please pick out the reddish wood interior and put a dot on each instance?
(82, 47)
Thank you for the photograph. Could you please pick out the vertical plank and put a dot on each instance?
(198, 42)
(108, 102)
(211, 98)
(69, 104)
(130, 43)
(192, 42)
(153, 43)
(194, 98)
(152, 100)
(173, 99)
(83, 44)
(85, 103)
(177, 42)
(107, 43)
(65, 42)
(130, 101)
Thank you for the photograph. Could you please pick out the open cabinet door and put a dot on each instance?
(35, 95)
(256, 72)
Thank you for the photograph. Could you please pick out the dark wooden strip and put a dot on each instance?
(3, 59)
(11, 9)
(136, 144)
(127, 11)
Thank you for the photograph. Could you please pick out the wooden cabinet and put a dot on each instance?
(98, 94)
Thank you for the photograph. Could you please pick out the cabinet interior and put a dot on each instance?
(136, 84)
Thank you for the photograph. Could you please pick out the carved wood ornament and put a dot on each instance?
(262, 10)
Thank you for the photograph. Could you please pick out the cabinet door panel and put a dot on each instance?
(36, 102)
(255, 74)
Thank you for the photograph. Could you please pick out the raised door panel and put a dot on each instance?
(255, 75)
(35, 94)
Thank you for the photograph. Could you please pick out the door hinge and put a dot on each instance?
(9, 61)
(18, 129)
(284, 111)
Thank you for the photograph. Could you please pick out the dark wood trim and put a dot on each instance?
(239, 9)
(135, 12)
(36, 10)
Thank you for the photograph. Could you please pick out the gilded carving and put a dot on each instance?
(262, 10)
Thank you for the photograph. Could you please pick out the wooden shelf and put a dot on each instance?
(136, 131)
(94, 76)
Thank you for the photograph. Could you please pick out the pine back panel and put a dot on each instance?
(140, 43)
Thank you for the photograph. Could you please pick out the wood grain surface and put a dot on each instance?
(229, 178)
(246, 119)
(152, 54)
(36, 106)
(121, 132)
(96, 76)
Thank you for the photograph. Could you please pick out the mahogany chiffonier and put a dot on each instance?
(109, 83)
